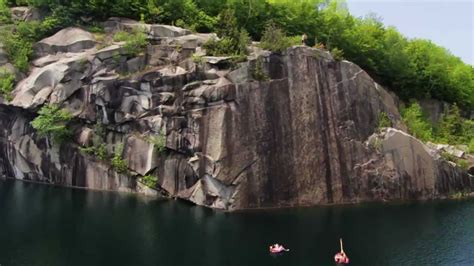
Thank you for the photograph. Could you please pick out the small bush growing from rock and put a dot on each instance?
(7, 81)
(134, 41)
(150, 181)
(459, 161)
(470, 147)
(198, 59)
(463, 164)
(320, 46)
(338, 54)
(159, 142)
(384, 121)
(88, 150)
(101, 152)
(52, 121)
(119, 164)
(258, 73)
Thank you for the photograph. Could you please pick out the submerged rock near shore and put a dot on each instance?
(304, 131)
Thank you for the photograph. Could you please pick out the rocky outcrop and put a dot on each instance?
(24, 13)
(278, 130)
(406, 168)
(69, 40)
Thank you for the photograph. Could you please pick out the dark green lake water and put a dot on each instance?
(43, 225)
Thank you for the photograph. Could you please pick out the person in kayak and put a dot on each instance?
(277, 248)
(341, 257)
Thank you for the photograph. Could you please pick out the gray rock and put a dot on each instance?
(136, 64)
(216, 60)
(71, 40)
(241, 74)
(24, 13)
(191, 41)
(116, 23)
(56, 82)
(434, 109)
(140, 155)
(160, 31)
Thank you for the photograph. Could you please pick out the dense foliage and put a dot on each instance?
(7, 81)
(274, 39)
(412, 68)
(5, 16)
(417, 122)
(233, 40)
(452, 129)
(52, 121)
(150, 181)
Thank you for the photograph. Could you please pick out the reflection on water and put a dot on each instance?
(42, 225)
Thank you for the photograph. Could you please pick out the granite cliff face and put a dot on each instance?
(305, 133)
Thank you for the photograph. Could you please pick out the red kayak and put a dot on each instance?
(274, 249)
(341, 257)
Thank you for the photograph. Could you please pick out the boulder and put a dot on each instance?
(140, 155)
(125, 24)
(191, 41)
(54, 82)
(216, 60)
(71, 40)
(452, 150)
(136, 64)
(110, 52)
(24, 13)
(161, 31)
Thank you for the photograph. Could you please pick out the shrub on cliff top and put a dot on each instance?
(338, 54)
(233, 42)
(52, 121)
(275, 39)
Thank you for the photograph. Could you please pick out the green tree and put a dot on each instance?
(450, 128)
(416, 121)
(275, 39)
(52, 121)
(233, 41)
